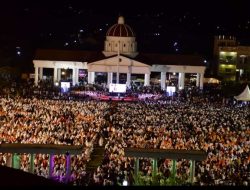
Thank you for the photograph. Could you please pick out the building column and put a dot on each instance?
(192, 170)
(15, 161)
(73, 76)
(36, 76)
(181, 81)
(201, 80)
(68, 167)
(147, 79)
(59, 73)
(197, 79)
(128, 80)
(174, 168)
(40, 73)
(51, 165)
(110, 78)
(163, 80)
(31, 169)
(9, 160)
(137, 164)
(117, 78)
(55, 75)
(91, 77)
(77, 76)
(155, 167)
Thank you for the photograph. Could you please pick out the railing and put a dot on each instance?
(32, 149)
(154, 154)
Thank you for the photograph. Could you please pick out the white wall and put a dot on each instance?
(122, 69)
(60, 64)
(111, 45)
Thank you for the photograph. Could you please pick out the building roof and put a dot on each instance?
(120, 29)
(92, 56)
(68, 55)
(168, 59)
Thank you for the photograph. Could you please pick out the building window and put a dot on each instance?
(109, 44)
(245, 60)
(222, 44)
(241, 60)
(229, 58)
(124, 45)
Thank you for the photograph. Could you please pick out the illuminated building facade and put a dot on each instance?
(120, 57)
(233, 60)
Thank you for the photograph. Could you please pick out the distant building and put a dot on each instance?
(119, 58)
(233, 60)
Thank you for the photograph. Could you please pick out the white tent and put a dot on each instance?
(244, 96)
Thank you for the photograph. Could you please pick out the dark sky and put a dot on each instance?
(177, 26)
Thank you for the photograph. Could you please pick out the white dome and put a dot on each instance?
(120, 29)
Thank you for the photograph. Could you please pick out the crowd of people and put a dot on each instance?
(190, 121)
(221, 131)
(51, 122)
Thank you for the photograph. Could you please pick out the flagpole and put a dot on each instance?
(117, 74)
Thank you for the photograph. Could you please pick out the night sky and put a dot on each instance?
(171, 27)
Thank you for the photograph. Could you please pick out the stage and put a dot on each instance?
(117, 98)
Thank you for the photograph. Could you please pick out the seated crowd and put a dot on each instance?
(191, 122)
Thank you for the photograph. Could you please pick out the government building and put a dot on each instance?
(119, 62)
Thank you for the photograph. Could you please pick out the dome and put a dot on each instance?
(120, 29)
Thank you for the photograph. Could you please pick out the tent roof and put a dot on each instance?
(244, 96)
